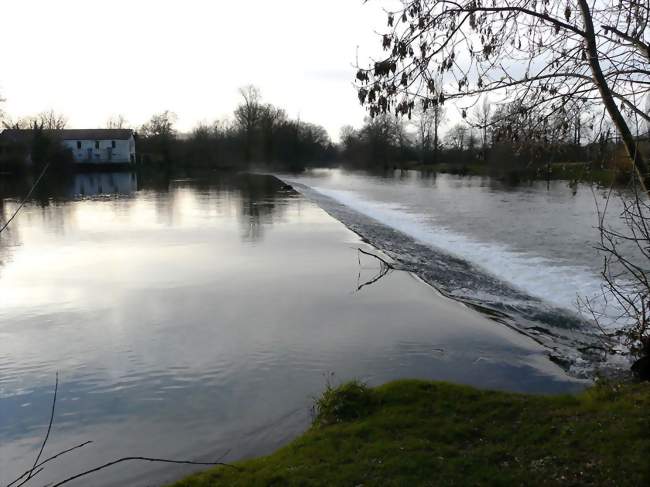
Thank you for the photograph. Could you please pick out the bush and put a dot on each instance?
(347, 402)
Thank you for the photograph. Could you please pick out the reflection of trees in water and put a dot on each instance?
(256, 198)
(65, 186)
(10, 238)
(261, 204)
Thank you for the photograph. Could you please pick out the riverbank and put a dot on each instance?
(420, 432)
(573, 172)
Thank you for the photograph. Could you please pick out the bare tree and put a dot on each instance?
(422, 121)
(248, 115)
(625, 300)
(438, 119)
(456, 136)
(270, 118)
(347, 132)
(551, 54)
(481, 118)
(428, 119)
(3, 115)
(116, 122)
(159, 134)
(383, 135)
(427, 126)
(51, 120)
(161, 125)
(20, 123)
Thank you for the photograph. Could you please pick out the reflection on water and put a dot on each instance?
(94, 184)
(188, 317)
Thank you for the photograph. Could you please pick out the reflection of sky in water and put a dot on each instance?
(202, 317)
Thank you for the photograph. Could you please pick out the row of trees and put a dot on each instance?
(46, 120)
(505, 135)
(42, 147)
(510, 136)
(259, 133)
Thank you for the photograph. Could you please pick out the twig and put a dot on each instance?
(141, 459)
(386, 267)
(386, 263)
(38, 467)
(22, 203)
(384, 270)
(33, 475)
(53, 457)
(47, 435)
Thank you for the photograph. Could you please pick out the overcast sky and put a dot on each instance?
(93, 59)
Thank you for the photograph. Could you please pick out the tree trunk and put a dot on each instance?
(640, 165)
(436, 122)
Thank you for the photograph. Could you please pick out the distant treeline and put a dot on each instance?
(503, 139)
(259, 134)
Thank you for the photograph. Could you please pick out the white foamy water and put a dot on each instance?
(552, 281)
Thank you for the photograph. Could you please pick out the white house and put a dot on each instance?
(88, 146)
(100, 146)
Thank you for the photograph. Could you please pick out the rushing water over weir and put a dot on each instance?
(524, 256)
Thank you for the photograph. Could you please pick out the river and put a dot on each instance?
(188, 318)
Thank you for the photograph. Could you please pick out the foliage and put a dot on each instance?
(382, 142)
(552, 57)
(40, 147)
(428, 432)
(350, 401)
(160, 126)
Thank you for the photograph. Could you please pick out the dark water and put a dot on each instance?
(191, 317)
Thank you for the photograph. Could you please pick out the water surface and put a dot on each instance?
(527, 252)
(187, 318)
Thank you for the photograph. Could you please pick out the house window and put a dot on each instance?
(113, 144)
(78, 144)
(97, 144)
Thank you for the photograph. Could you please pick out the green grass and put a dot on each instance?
(427, 433)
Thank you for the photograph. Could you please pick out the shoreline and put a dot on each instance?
(411, 432)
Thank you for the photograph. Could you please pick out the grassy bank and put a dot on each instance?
(428, 433)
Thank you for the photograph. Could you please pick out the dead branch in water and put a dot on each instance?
(38, 467)
(141, 459)
(32, 472)
(386, 267)
(53, 457)
(384, 270)
(383, 261)
(24, 200)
